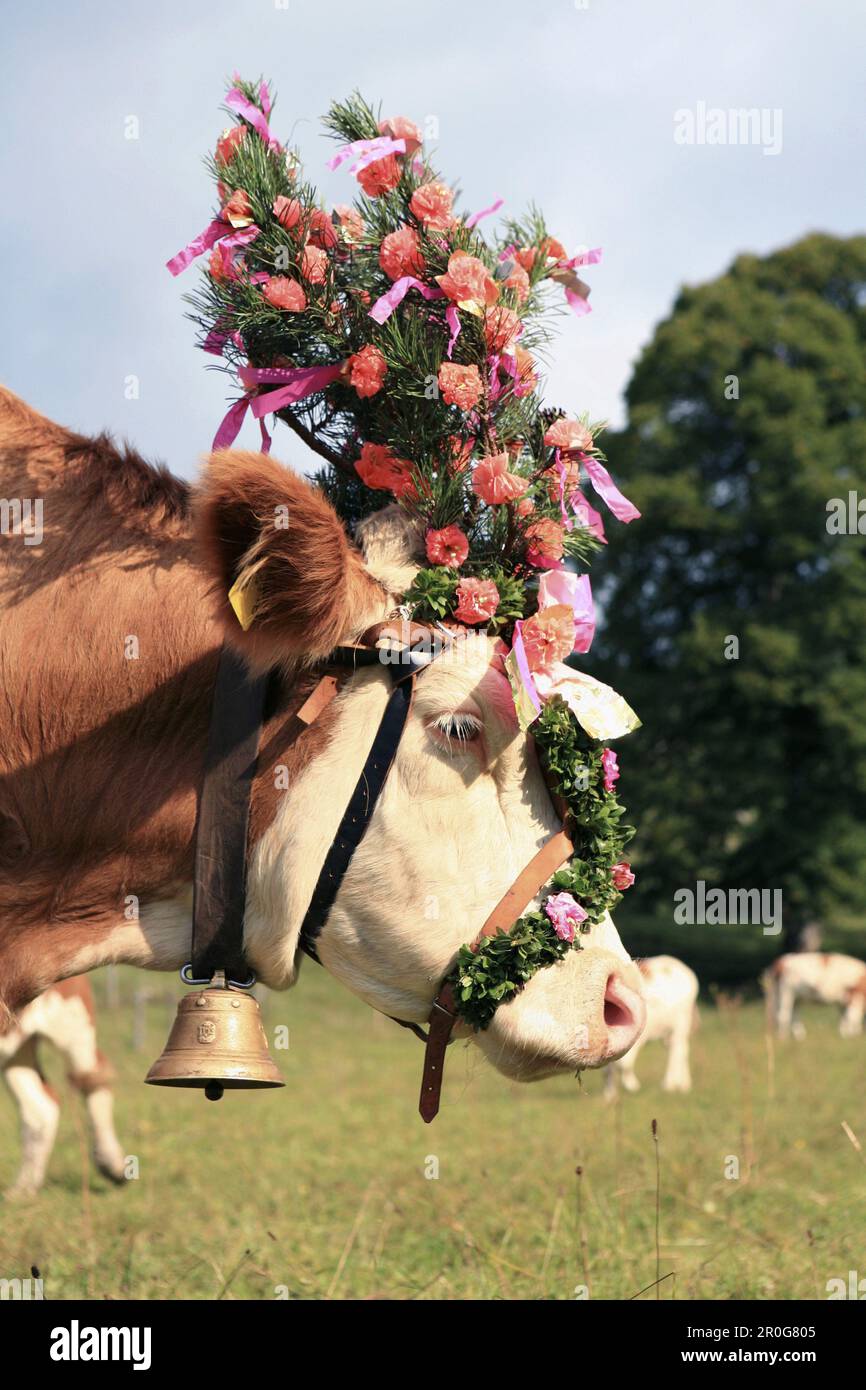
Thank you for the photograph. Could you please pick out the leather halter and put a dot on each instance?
(221, 828)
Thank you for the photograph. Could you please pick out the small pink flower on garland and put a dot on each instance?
(565, 913)
(622, 876)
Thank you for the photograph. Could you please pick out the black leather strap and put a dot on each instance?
(358, 813)
(219, 885)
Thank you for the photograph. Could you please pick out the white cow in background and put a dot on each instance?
(64, 1016)
(827, 978)
(670, 991)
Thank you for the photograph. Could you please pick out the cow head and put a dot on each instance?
(464, 808)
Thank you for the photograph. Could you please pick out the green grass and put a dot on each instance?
(321, 1187)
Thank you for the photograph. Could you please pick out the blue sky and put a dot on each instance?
(570, 105)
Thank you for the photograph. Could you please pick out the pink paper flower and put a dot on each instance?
(460, 386)
(548, 636)
(611, 772)
(401, 128)
(468, 280)
(314, 264)
(380, 177)
(461, 453)
(525, 370)
(545, 543)
(321, 230)
(447, 547)
(238, 209)
(287, 211)
(518, 282)
(367, 370)
(351, 223)
(561, 586)
(227, 144)
(622, 876)
(568, 435)
(493, 483)
(400, 254)
(566, 914)
(285, 293)
(477, 600)
(431, 203)
(221, 264)
(501, 327)
(379, 468)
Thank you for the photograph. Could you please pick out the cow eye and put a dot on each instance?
(458, 728)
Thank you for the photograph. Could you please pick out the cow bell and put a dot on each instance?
(217, 1041)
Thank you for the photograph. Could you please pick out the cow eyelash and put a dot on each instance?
(458, 728)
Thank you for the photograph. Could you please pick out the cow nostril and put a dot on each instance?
(616, 1015)
(619, 1003)
(624, 1015)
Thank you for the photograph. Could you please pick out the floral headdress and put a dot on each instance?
(401, 345)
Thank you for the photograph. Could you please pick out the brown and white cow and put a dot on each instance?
(109, 636)
(827, 978)
(64, 1016)
(670, 991)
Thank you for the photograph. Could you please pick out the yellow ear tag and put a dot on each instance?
(243, 596)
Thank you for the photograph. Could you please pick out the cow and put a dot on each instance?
(110, 632)
(827, 977)
(670, 991)
(64, 1016)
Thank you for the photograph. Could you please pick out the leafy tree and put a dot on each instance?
(737, 615)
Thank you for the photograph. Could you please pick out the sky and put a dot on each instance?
(576, 105)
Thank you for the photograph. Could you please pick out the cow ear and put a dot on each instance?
(275, 543)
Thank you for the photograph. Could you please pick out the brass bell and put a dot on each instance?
(216, 1041)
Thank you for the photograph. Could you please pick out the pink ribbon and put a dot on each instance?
(203, 242)
(368, 151)
(295, 384)
(582, 258)
(563, 474)
(608, 490)
(388, 302)
(485, 212)
(217, 339)
(236, 101)
(230, 427)
(521, 387)
(575, 592)
(587, 515)
(523, 666)
(452, 318)
(215, 231)
(578, 302)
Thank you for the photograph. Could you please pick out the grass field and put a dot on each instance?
(319, 1190)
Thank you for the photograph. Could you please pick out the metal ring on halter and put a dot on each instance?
(188, 978)
(244, 984)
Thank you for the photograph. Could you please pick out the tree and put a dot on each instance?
(738, 608)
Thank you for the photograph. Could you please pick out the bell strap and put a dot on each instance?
(222, 820)
(510, 907)
(359, 811)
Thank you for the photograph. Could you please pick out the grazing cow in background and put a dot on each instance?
(670, 991)
(63, 1015)
(827, 978)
